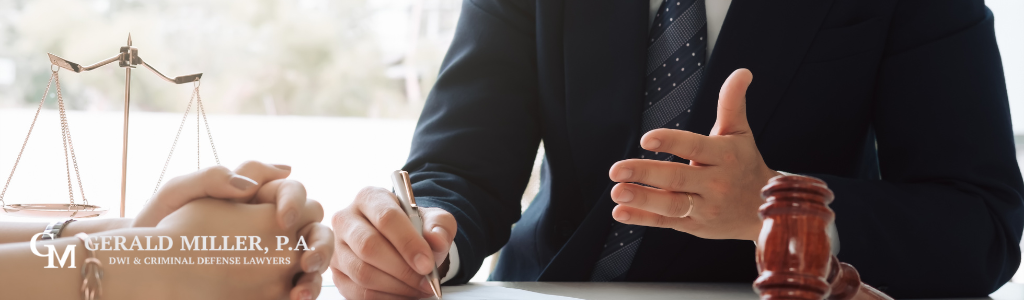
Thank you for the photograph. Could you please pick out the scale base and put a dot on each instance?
(76, 211)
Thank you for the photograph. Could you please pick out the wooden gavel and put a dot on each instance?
(794, 256)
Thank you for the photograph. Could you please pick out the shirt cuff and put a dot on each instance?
(831, 230)
(453, 263)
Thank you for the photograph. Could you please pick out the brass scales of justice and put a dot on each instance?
(127, 58)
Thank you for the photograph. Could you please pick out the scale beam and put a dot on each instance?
(73, 67)
(128, 58)
(175, 80)
(77, 68)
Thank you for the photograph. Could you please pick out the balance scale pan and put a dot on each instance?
(54, 210)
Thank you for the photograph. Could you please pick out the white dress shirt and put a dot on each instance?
(715, 10)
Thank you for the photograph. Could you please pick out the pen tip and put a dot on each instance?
(436, 286)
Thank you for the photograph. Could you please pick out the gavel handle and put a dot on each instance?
(846, 284)
(869, 293)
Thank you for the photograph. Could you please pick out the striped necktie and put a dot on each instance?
(675, 68)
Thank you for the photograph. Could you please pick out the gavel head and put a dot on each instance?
(793, 250)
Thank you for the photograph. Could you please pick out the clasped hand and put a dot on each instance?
(216, 201)
(724, 177)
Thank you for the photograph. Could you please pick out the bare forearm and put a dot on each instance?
(25, 275)
(95, 226)
(16, 232)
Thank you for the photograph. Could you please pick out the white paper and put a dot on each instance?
(467, 292)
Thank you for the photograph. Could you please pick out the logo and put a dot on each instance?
(59, 259)
(69, 252)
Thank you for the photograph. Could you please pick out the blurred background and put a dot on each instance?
(358, 58)
(332, 88)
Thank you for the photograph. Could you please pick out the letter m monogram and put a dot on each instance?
(62, 258)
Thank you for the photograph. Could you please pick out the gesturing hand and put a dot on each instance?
(724, 177)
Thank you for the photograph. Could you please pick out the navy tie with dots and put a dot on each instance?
(675, 68)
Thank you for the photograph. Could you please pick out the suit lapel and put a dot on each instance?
(769, 37)
(605, 53)
(575, 261)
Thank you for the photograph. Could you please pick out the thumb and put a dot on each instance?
(439, 230)
(732, 105)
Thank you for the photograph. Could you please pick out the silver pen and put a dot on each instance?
(403, 189)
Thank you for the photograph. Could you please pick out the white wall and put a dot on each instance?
(1010, 36)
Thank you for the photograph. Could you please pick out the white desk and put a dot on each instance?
(676, 291)
(660, 291)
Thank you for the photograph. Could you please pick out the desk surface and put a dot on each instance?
(674, 291)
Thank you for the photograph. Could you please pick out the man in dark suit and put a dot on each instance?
(900, 106)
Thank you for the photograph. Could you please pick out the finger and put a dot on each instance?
(311, 212)
(219, 182)
(391, 221)
(320, 239)
(352, 291)
(261, 172)
(732, 104)
(439, 230)
(212, 182)
(685, 144)
(635, 216)
(307, 287)
(667, 175)
(314, 211)
(370, 277)
(288, 195)
(360, 242)
(662, 202)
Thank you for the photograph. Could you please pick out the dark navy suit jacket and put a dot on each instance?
(900, 106)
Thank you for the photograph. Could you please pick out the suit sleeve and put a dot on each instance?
(478, 134)
(946, 217)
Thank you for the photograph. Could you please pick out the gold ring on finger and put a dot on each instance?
(688, 211)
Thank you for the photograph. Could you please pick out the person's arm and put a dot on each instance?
(471, 158)
(25, 277)
(241, 208)
(946, 217)
(250, 174)
(14, 232)
(477, 137)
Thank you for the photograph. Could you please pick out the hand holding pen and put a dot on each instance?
(380, 254)
(403, 189)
